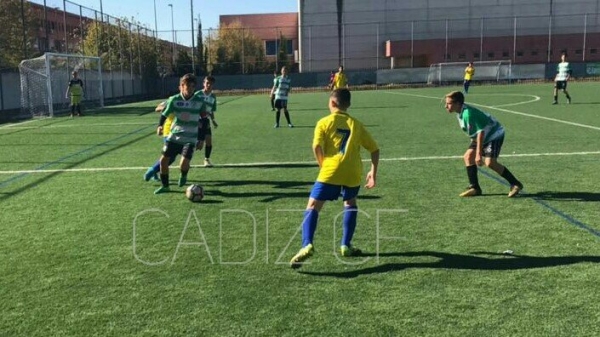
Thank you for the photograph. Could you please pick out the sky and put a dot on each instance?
(209, 11)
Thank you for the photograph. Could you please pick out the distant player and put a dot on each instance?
(331, 79)
(281, 89)
(487, 136)
(185, 108)
(207, 116)
(338, 139)
(75, 92)
(563, 74)
(340, 81)
(469, 73)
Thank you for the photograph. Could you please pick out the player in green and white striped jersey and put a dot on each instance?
(487, 136)
(185, 107)
(281, 89)
(563, 74)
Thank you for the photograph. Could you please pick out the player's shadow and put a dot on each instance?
(269, 165)
(474, 261)
(125, 110)
(280, 189)
(565, 196)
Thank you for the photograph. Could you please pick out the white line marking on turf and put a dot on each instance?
(508, 111)
(78, 125)
(140, 168)
(16, 125)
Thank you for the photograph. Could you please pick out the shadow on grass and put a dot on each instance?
(283, 189)
(125, 110)
(475, 261)
(353, 108)
(267, 165)
(564, 196)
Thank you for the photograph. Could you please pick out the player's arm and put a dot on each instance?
(212, 114)
(275, 84)
(479, 149)
(369, 143)
(68, 90)
(163, 118)
(318, 152)
(372, 174)
(82, 87)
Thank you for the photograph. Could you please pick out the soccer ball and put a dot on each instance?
(194, 193)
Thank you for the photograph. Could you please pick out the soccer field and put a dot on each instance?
(87, 249)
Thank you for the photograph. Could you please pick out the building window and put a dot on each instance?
(520, 53)
(593, 51)
(491, 55)
(578, 52)
(475, 55)
(462, 56)
(504, 54)
(534, 53)
(271, 47)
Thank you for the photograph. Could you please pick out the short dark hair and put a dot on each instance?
(188, 78)
(342, 98)
(210, 79)
(456, 96)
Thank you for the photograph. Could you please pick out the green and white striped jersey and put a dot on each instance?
(473, 121)
(282, 87)
(563, 70)
(184, 129)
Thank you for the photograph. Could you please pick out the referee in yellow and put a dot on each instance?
(337, 141)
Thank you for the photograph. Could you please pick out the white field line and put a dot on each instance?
(16, 126)
(508, 111)
(399, 159)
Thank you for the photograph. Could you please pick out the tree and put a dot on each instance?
(282, 53)
(122, 47)
(200, 60)
(183, 64)
(235, 50)
(17, 22)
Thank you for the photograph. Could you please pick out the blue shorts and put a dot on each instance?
(323, 191)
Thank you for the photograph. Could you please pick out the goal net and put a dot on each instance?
(491, 71)
(45, 79)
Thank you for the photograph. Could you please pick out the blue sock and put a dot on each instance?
(309, 226)
(156, 167)
(349, 224)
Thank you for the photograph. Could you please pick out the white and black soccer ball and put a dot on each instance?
(194, 193)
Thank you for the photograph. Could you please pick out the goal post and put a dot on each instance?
(44, 82)
(490, 71)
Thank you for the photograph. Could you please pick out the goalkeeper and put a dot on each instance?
(75, 92)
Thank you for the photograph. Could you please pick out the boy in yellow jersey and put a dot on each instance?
(76, 93)
(337, 141)
(469, 72)
(340, 80)
(152, 172)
